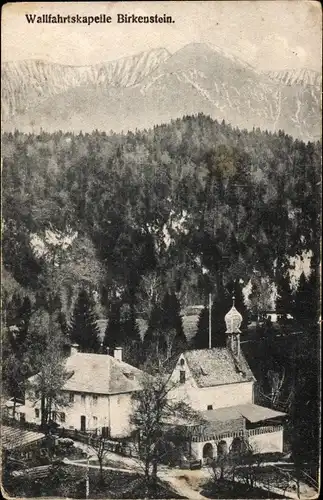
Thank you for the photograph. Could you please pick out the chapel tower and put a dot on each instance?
(233, 320)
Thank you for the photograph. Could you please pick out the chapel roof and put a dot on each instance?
(217, 366)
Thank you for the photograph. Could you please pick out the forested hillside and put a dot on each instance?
(139, 225)
(188, 207)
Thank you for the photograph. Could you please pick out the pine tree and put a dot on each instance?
(306, 309)
(18, 317)
(14, 346)
(154, 341)
(165, 328)
(305, 411)
(284, 301)
(128, 326)
(113, 335)
(131, 341)
(171, 318)
(201, 338)
(83, 329)
(221, 305)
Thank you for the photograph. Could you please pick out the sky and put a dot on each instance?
(269, 35)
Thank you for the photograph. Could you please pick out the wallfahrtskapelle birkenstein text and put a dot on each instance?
(99, 19)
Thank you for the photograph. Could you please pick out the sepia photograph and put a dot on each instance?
(161, 249)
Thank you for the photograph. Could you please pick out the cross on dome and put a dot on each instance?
(233, 319)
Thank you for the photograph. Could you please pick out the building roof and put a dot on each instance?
(13, 437)
(101, 374)
(251, 412)
(217, 366)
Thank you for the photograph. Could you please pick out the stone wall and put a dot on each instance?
(269, 442)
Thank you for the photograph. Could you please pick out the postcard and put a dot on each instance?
(161, 182)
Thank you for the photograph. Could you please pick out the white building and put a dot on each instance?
(274, 317)
(219, 383)
(216, 382)
(99, 391)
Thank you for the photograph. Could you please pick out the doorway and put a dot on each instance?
(83, 423)
(208, 450)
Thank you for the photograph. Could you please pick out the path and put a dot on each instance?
(186, 482)
(189, 483)
(108, 455)
(76, 463)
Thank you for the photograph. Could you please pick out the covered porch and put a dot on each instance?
(230, 429)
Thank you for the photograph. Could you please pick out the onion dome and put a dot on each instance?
(233, 320)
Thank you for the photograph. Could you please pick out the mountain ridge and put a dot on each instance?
(141, 90)
(302, 76)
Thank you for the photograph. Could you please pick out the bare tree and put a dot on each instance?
(150, 292)
(276, 381)
(99, 446)
(242, 464)
(221, 467)
(153, 416)
(46, 386)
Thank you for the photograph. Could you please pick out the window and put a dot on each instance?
(83, 398)
(182, 362)
(71, 397)
(37, 394)
(36, 412)
(210, 407)
(106, 432)
(22, 417)
(182, 377)
(62, 415)
(95, 399)
(95, 422)
(54, 416)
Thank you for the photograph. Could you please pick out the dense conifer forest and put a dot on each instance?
(140, 225)
(172, 201)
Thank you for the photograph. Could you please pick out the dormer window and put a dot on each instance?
(182, 377)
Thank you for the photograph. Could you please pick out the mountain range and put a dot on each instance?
(154, 87)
